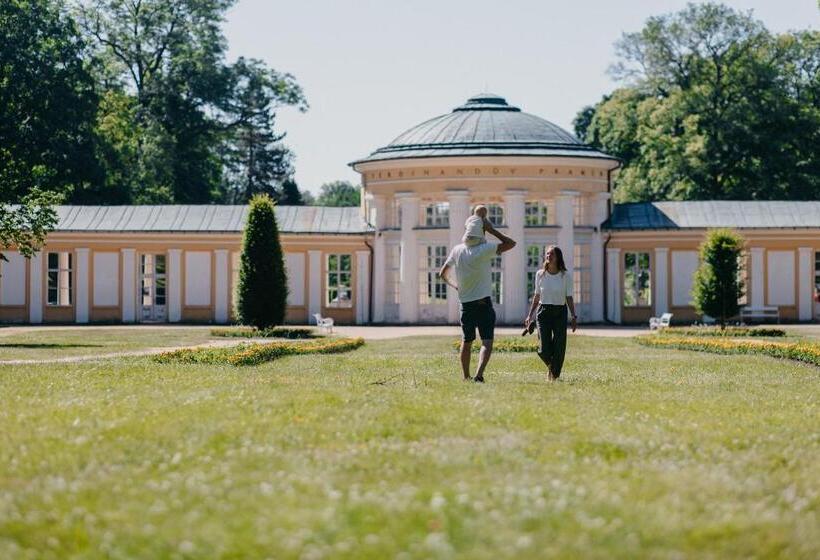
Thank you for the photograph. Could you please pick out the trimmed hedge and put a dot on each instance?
(807, 352)
(728, 331)
(258, 353)
(273, 332)
(523, 344)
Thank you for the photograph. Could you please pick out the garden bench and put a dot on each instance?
(660, 322)
(324, 322)
(761, 313)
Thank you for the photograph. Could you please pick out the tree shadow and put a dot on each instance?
(46, 345)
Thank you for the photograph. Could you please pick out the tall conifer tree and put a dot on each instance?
(263, 288)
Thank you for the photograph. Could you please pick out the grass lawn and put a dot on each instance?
(385, 453)
(35, 344)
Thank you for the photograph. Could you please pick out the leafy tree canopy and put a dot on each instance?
(713, 106)
(339, 193)
(48, 102)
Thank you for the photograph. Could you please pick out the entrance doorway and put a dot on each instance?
(154, 284)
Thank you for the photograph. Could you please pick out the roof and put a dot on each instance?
(205, 219)
(486, 125)
(714, 213)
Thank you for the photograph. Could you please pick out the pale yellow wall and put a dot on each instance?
(690, 240)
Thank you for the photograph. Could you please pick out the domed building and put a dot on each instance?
(378, 263)
(540, 183)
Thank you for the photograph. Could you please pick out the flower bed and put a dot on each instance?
(522, 344)
(728, 331)
(254, 354)
(801, 351)
(273, 332)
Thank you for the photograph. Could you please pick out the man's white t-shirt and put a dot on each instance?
(554, 289)
(472, 266)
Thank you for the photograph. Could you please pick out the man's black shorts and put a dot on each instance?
(478, 314)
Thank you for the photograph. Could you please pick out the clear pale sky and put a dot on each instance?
(372, 69)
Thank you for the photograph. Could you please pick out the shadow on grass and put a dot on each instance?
(46, 345)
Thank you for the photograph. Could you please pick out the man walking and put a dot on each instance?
(472, 259)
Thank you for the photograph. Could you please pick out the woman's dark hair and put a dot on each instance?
(558, 255)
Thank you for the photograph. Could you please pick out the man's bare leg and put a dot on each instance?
(466, 350)
(483, 359)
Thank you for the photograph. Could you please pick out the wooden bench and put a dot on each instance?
(760, 313)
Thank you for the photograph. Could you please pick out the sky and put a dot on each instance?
(372, 69)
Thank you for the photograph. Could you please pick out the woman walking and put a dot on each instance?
(552, 297)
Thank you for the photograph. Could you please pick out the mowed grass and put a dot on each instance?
(385, 453)
(49, 344)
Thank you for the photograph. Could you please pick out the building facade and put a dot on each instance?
(378, 263)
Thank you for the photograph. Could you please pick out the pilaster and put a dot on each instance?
(514, 265)
(314, 283)
(221, 286)
(565, 218)
(174, 285)
(362, 287)
(661, 281)
(805, 283)
(82, 276)
(129, 285)
(756, 278)
(35, 300)
(409, 275)
(613, 279)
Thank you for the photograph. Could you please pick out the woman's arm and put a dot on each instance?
(572, 316)
(536, 299)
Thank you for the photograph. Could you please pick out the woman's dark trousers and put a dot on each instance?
(552, 329)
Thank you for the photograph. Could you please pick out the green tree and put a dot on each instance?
(257, 161)
(685, 124)
(197, 122)
(290, 195)
(339, 193)
(24, 226)
(47, 102)
(717, 286)
(263, 288)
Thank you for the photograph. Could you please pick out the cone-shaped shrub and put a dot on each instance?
(717, 286)
(263, 287)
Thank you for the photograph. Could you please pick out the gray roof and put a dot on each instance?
(715, 213)
(486, 125)
(205, 219)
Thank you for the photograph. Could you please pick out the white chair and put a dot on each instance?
(324, 322)
(660, 322)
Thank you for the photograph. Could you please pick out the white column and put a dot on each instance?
(379, 258)
(459, 200)
(314, 283)
(129, 285)
(805, 283)
(35, 298)
(613, 282)
(221, 286)
(409, 274)
(565, 218)
(81, 299)
(514, 265)
(756, 278)
(661, 280)
(600, 211)
(174, 278)
(362, 287)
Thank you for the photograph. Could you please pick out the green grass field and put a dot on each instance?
(385, 453)
(36, 344)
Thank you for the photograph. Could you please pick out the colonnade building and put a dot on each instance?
(377, 263)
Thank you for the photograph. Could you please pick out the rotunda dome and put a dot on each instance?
(486, 125)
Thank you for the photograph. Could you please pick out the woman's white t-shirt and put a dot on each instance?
(554, 289)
